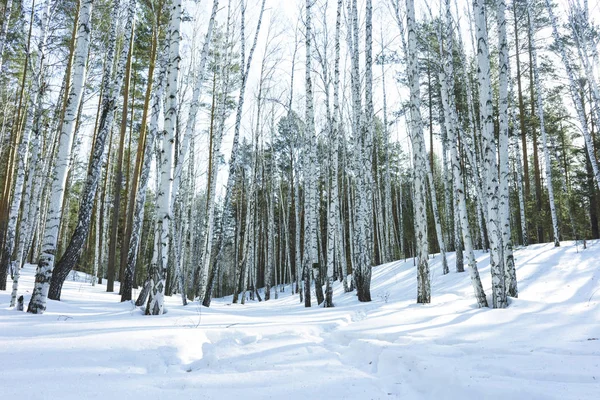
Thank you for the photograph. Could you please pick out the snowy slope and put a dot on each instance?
(544, 346)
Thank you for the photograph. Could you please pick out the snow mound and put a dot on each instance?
(544, 346)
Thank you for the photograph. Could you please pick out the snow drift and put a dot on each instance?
(544, 346)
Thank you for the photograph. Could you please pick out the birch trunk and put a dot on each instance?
(575, 94)
(195, 103)
(309, 163)
(16, 169)
(419, 161)
(72, 253)
(362, 242)
(118, 179)
(333, 240)
(97, 249)
(389, 215)
(516, 122)
(540, 112)
(270, 261)
(233, 160)
(452, 129)
(32, 126)
(214, 150)
(140, 198)
(209, 221)
(4, 30)
(163, 216)
(504, 172)
(363, 288)
(436, 218)
(581, 31)
(494, 227)
(37, 304)
(471, 152)
(25, 226)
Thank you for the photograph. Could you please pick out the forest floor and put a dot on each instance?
(546, 345)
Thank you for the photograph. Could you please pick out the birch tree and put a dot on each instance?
(583, 33)
(191, 121)
(37, 304)
(32, 127)
(4, 30)
(362, 223)
(504, 171)
(494, 227)
(233, 160)
(333, 234)
(310, 257)
(419, 160)
(540, 112)
(575, 93)
(112, 92)
(453, 131)
(158, 273)
(140, 198)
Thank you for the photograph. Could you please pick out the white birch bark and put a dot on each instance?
(333, 238)
(233, 160)
(297, 233)
(111, 94)
(38, 207)
(97, 230)
(504, 172)
(309, 163)
(37, 304)
(389, 216)
(366, 195)
(453, 130)
(515, 122)
(270, 261)
(448, 198)
(248, 261)
(575, 94)
(581, 30)
(286, 240)
(206, 250)
(436, 218)
(362, 223)
(194, 104)
(163, 216)
(540, 112)
(489, 157)
(25, 227)
(32, 117)
(4, 30)
(419, 161)
(471, 152)
(21, 155)
(140, 198)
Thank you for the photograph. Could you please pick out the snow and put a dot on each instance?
(544, 346)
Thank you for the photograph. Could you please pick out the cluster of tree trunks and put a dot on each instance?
(308, 200)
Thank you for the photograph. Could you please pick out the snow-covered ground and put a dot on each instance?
(544, 346)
